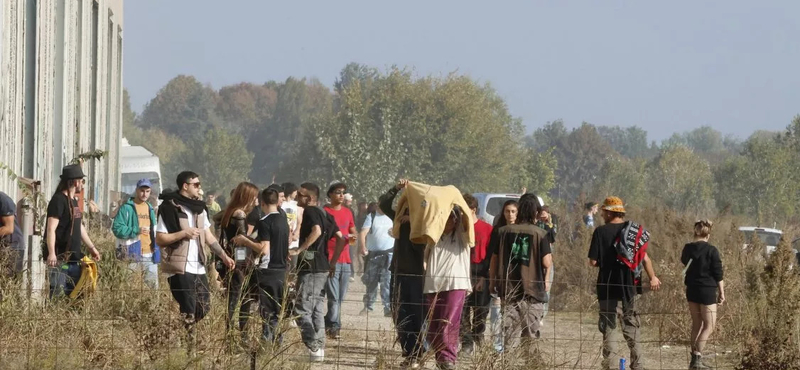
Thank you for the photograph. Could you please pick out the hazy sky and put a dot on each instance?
(666, 66)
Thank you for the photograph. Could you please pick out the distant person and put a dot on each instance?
(358, 259)
(134, 227)
(238, 281)
(705, 288)
(272, 245)
(508, 217)
(476, 305)
(314, 267)
(588, 218)
(211, 203)
(294, 216)
(378, 246)
(12, 245)
(339, 282)
(520, 264)
(183, 228)
(65, 232)
(620, 282)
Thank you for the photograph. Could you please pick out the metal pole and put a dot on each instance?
(27, 236)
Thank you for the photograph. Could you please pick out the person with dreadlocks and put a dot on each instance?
(520, 263)
(619, 251)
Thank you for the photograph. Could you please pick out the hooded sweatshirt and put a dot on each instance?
(706, 266)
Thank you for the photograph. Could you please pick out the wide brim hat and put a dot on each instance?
(614, 204)
(71, 172)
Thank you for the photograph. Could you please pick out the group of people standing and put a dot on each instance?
(437, 285)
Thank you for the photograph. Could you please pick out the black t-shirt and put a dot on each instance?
(275, 229)
(316, 258)
(255, 215)
(615, 281)
(68, 215)
(8, 208)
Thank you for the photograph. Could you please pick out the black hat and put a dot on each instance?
(72, 171)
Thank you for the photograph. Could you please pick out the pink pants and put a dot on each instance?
(444, 310)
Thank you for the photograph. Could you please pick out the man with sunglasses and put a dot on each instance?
(183, 228)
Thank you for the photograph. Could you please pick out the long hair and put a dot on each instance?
(64, 184)
(500, 220)
(528, 209)
(242, 198)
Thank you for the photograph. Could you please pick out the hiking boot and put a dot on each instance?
(334, 334)
(446, 366)
(697, 363)
(466, 350)
(387, 313)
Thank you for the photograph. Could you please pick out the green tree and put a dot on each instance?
(622, 177)
(220, 158)
(630, 141)
(181, 108)
(682, 180)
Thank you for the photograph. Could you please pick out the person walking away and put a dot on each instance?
(407, 283)
(134, 228)
(520, 263)
(65, 232)
(313, 268)
(545, 221)
(339, 282)
(447, 283)
(509, 217)
(239, 281)
(476, 306)
(183, 227)
(12, 245)
(620, 283)
(705, 288)
(377, 245)
(273, 245)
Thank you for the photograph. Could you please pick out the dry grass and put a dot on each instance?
(125, 326)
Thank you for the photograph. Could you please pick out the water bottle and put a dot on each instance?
(622, 364)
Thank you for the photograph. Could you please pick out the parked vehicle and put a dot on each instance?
(770, 237)
(138, 163)
(490, 205)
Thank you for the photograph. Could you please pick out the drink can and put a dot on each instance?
(622, 364)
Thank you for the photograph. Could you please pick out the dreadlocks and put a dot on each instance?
(528, 209)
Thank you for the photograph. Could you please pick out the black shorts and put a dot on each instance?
(701, 295)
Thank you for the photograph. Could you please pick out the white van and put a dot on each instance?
(490, 205)
(138, 163)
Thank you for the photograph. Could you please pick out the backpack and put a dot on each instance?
(372, 222)
(631, 246)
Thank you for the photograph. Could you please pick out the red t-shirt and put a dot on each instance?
(344, 219)
(483, 231)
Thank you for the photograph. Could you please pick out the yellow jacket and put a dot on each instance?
(428, 209)
(87, 284)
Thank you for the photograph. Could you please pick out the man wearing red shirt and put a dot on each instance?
(338, 282)
(476, 306)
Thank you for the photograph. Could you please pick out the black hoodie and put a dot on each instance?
(706, 267)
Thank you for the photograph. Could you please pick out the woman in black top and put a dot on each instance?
(703, 277)
(240, 294)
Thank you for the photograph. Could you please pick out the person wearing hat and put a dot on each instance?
(65, 232)
(617, 283)
(134, 228)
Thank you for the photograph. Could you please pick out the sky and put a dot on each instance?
(665, 66)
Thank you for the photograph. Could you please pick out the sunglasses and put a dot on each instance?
(195, 184)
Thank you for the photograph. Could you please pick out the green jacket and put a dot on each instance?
(126, 224)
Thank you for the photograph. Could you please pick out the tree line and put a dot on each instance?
(374, 126)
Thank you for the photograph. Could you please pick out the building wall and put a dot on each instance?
(61, 92)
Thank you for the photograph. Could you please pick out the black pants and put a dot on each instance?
(409, 314)
(271, 292)
(241, 289)
(473, 317)
(192, 294)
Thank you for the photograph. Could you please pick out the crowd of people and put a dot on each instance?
(442, 274)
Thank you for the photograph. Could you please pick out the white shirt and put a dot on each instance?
(448, 266)
(378, 239)
(290, 207)
(193, 265)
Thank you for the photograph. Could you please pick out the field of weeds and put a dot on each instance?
(126, 326)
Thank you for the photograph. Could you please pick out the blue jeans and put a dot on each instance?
(337, 290)
(148, 269)
(376, 272)
(308, 308)
(63, 278)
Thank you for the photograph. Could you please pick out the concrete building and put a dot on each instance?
(61, 91)
(60, 96)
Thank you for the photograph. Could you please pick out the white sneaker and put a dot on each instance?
(317, 356)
